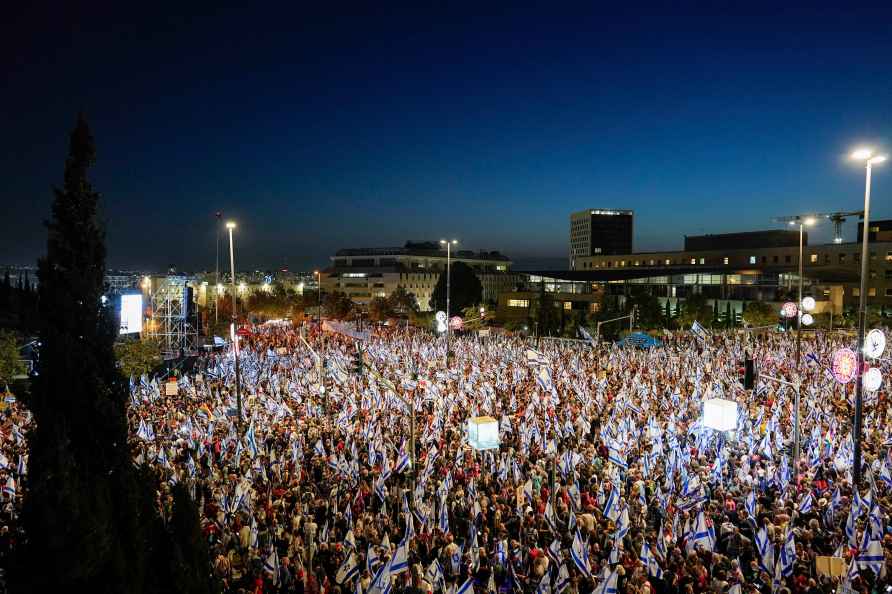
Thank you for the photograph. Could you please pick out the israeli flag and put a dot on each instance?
(788, 553)
(467, 587)
(399, 562)
(650, 561)
(699, 331)
(534, 357)
(608, 586)
(563, 579)
(805, 504)
(611, 507)
(703, 533)
(348, 569)
(579, 553)
(319, 448)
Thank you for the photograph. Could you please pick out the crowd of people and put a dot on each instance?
(606, 478)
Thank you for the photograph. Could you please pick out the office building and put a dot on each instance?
(597, 231)
(366, 273)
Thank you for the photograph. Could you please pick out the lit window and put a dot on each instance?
(752, 259)
(568, 305)
(652, 262)
(668, 261)
(813, 258)
(702, 260)
(518, 303)
(693, 260)
(856, 292)
(872, 292)
(637, 263)
(725, 260)
(622, 263)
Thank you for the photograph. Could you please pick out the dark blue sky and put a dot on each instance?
(366, 128)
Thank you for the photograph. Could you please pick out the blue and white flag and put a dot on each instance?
(467, 587)
(400, 560)
(348, 569)
(806, 503)
(563, 579)
(699, 331)
(579, 553)
(608, 586)
(788, 553)
(611, 507)
(650, 561)
(704, 534)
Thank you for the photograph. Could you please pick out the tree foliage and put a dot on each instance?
(337, 305)
(695, 308)
(759, 313)
(136, 357)
(465, 289)
(10, 363)
(86, 528)
(648, 312)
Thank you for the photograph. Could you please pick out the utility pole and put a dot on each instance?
(217, 283)
(238, 388)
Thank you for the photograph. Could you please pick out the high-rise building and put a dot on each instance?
(599, 231)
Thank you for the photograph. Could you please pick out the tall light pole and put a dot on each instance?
(448, 245)
(319, 297)
(230, 225)
(802, 222)
(217, 263)
(868, 157)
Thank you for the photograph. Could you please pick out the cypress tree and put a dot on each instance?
(80, 520)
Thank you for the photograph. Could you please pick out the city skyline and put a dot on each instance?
(322, 132)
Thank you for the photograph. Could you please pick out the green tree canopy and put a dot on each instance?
(10, 362)
(697, 308)
(465, 289)
(337, 305)
(649, 314)
(136, 357)
(759, 313)
(83, 515)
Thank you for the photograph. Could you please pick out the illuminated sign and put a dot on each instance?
(844, 366)
(131, 314)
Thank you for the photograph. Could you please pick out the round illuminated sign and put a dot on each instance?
(441, 316)
(808, 303)
(789, 310)
(807, 319)
(874, 344)
(873, 379)
(844, 366)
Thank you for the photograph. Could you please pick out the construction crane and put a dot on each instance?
(838, 218)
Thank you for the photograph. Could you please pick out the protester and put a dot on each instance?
(605, 480)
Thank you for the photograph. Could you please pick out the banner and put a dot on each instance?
(342, 328)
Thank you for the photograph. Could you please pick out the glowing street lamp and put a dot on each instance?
(869, 158)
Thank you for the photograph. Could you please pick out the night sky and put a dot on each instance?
(353, 129)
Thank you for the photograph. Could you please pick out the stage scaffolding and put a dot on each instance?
(171, 324)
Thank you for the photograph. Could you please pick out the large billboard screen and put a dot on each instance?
(131, 314)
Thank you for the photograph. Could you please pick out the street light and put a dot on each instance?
(448, 245)
(230, 225)
(319, 300)
(869, 158)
